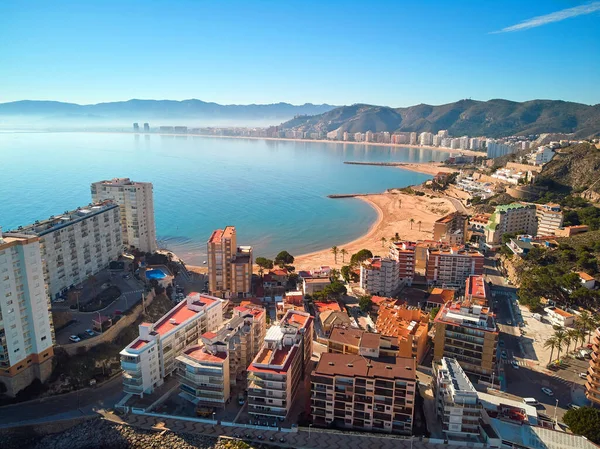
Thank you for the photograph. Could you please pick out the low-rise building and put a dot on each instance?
(519, 246)
(356, 392)
(150, 358)
(560, 317)
(409, 325)
(275, 373)
(465, 329)
(312, 285)
(346, 340)
(569, 231)
(586, 280)
(438, 297)
(379, 276)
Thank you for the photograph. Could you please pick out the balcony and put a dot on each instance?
(132, 389)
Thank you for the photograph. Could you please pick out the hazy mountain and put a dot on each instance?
(494, 118)
(157, 112)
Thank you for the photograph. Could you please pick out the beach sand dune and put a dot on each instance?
(395, 211)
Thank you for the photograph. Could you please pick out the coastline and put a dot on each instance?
(336, 142)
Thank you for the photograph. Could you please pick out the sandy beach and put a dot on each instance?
(431, 168)
(395, 210)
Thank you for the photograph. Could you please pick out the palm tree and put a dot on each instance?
(552, 344)
(411, 221)
(383, 240)
(567, 341)
(586, 322)
(343, 252)
(334, 250)
(419, 223)
(572, 335)
(396, 237)
(560, 336)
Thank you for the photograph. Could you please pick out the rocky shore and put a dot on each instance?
(98, 433)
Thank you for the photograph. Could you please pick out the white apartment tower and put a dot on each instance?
(136, 202)
(379, 276)
(26, 331)
(77, 244)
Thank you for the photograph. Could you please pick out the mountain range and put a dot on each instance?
(187, 112)
(493, 118)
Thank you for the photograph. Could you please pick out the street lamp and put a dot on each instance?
(555, 408)
(309, 426)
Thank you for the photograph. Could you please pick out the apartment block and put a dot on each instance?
(379, 276)
(451, 266)
(592, 384)
(409, 325)
(465, 329)
(281, 364)
(510, 218)
(151, 357)
(77, 244)
(26, 330)
(404, 253)
(451, 229)
(549, 218)
(136, 205)
(229, 265)
(348, 340)
(354, 392)
(208, 371)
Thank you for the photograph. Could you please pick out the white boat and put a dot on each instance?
(204, 262)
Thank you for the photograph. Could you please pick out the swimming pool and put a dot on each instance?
(155, 274)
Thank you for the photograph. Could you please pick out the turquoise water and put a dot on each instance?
(155, 274)
(274, 192)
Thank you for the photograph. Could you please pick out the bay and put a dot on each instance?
(273, 191)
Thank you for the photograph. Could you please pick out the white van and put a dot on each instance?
(530, 401)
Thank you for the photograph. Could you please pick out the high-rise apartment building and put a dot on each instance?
(136, 127)
(379, 276)
(26, 331)
(412, 138)
(150, 358)
(549, 218)
(409, 325)
(404, 254)
(496, 149)
(450, 266)
(146, 127)
(354, 392)
(510, 218)
(281, 364)
(229, 265)
(77, 244)
(208, 371)
(451, 229)
(465, 329)
(443, 133)
(592, 384)
(136, 203)
(425, 138)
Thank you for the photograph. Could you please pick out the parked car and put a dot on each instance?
(583, 375)
(90, 332)
(74, 338)
(503, 354)
(572, 406)
(514, 364)
(509, 322)
(547, 391)
(59, 300)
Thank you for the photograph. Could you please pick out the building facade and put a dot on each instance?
(355, 392)
(136, 205)
(404, 253)
(549, 218)
(592, 385)
(451, 266)
(451, 229)
(77, 244)
(379, 276)
(281, 364)
(151, 357)
(465, 329)
(26, 330)
(208, 371)
(349, 340)
(510, 218)
(229, 265)
(409, 325)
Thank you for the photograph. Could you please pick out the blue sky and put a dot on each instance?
(396, 53)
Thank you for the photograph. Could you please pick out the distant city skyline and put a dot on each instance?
(386, 52)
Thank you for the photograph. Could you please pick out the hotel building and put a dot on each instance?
(229, 266)
(451, 229)
(281, 364)
(409, 325)
(379, 276)
(404, 253)
(150, 358)
(208, 371)
(26, 330)
(549, 218)
(136, 204)
(451, 266)
(465, 329)
(77, 244)
(355, 392)
(510, 218)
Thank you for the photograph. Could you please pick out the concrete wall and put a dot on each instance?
(112, 332)
(523, 167)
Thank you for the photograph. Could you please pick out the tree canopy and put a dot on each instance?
(365, 303)
(284, 258)
(360, 256)
(264, 263)
(584, 421)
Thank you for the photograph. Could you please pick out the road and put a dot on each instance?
(77, 403)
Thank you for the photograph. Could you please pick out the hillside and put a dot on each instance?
(574, 169)
(494, 118)
(148, 110)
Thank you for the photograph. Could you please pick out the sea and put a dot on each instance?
(273, 191)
